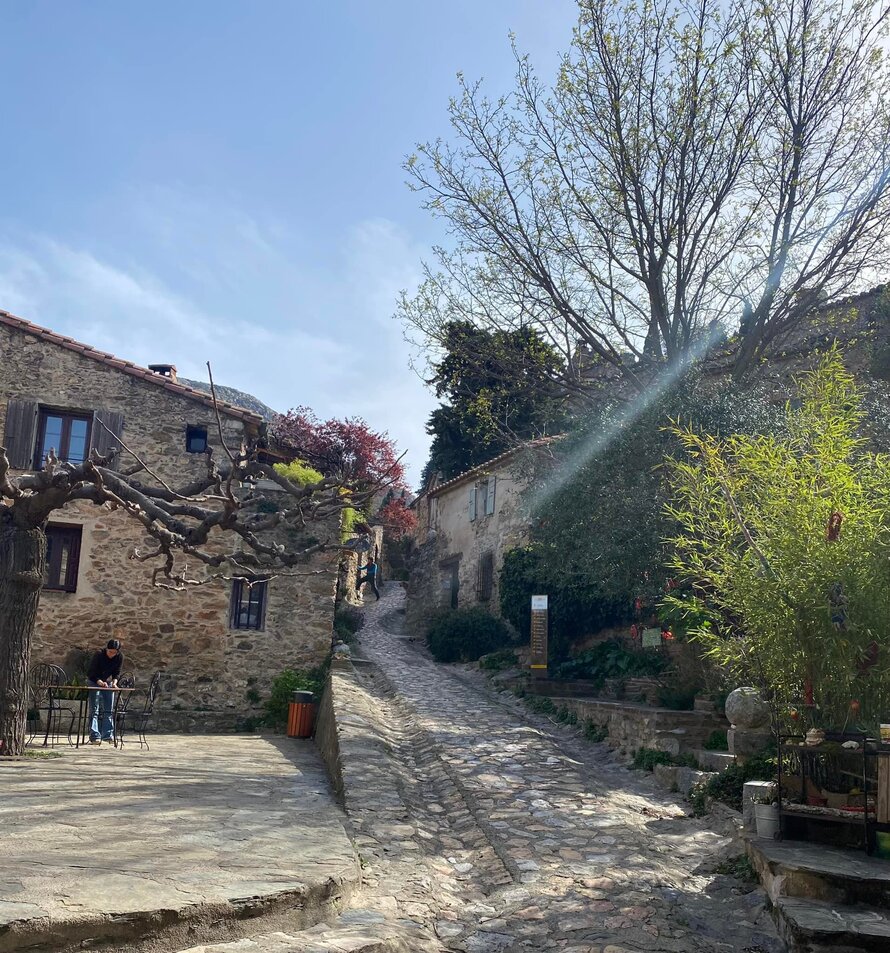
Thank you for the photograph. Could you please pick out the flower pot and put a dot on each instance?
(767, 818)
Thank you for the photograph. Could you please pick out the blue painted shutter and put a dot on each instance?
(489, 500)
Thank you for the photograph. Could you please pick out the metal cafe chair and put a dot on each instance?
(44, 684)
(122, 708)
(143, 717)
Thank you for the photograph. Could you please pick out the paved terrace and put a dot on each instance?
(199, 838)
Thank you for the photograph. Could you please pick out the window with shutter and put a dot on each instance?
(20, 432)
(472, 503)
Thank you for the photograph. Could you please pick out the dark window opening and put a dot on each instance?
(67, 434)
(196, 439)
(62, 558)
(451, 581)
(248, 604)
(482, 498)
(485, 579)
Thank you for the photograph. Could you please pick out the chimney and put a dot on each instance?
(164, 370)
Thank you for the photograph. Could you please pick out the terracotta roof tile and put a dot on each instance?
(497, 461)
(134, 370)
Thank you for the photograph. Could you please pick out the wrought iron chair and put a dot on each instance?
(122, 707)
(44, 683)
(143, 717)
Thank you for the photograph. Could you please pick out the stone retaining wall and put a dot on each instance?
(326, 737)
(633, 726)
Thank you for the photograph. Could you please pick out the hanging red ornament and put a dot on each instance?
(833, 530)
(634, 632)
(808, 694)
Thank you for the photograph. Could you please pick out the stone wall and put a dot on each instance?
(633, 726)
(348, 569)
(213, 676)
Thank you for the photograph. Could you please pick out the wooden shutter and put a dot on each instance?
(472, 503)
(100, 439)
(20, 433)
(489, 500)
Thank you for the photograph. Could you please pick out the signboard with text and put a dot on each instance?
(539, 628)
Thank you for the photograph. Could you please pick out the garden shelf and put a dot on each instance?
(829, 765)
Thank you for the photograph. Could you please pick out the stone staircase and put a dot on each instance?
(825, 900)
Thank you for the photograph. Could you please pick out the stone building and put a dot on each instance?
(464, 528)
(219, 646)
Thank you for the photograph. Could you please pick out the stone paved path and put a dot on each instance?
(484, 829)
(534, 840)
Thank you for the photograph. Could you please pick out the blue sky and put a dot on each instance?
(219, 180)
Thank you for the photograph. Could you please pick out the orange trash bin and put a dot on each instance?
(301, 715)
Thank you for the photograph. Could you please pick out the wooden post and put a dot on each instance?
(882, 808)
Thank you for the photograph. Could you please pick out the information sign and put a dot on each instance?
(539, 629)
(651, 638)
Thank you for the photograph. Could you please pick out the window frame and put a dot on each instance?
(67, 417)
(52, 576)
(482, 498)
(237, 604)
(192, 428)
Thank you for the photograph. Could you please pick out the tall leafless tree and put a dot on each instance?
(696, 166)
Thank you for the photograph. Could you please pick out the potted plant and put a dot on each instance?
(766, 813)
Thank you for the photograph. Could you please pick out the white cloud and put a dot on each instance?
(214, 284)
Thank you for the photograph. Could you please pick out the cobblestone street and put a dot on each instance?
(498, 830)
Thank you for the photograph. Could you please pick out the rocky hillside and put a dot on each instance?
(232, 396)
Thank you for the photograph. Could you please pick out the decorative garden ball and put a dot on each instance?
(746, 709)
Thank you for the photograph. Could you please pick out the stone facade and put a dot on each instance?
(464, 528)
(213, 675)
(349, 563)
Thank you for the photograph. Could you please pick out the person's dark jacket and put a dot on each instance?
(105, 669)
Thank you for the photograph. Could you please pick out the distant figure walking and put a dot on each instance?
(102, 675)
(370, 577)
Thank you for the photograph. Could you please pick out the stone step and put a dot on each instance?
(357, 931)
(818, 872)
(714, 760)
(814, 926)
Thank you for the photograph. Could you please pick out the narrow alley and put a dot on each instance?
(481, 827)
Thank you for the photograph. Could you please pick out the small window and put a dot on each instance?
(248, 604)
(62, 558)
(67, 434)
(485, 579)
(196, 439)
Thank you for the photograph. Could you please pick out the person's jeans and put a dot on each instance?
(372, 582)
(104, 698)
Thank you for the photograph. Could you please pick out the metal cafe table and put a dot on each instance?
(83, 708)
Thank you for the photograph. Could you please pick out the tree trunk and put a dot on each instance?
(22, 559)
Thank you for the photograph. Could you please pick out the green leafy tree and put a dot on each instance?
(598, 514)
(499, 389)
(784, 541)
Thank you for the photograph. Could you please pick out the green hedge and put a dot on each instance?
(464, 635)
